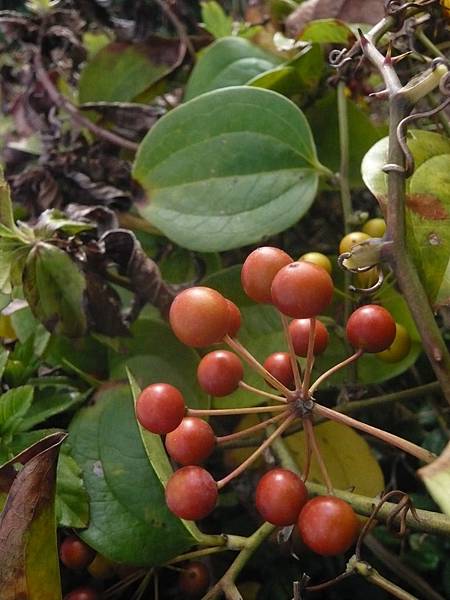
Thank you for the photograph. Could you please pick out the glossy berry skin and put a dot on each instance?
(160, 408)
(318, 259)
(191, 442)
(328, 525)
(399, 348)
(299, 330)
(302, 290)
(374, 227)
(199, 316)
(351, 239)
(191, 493)
(75, 554)
(220, 372)
(280, 496)
(371, 328)
(234, 318)
(194, 579)
(259, 269)
(279, 365)
(82, 593)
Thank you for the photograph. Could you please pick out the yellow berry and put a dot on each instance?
(351, 239)
(399, 348)
(319, 259)
(375, 227)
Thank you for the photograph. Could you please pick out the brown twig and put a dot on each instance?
(61, 102)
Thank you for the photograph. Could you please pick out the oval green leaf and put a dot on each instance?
(129, 520)
(228, 62)
(228, 168)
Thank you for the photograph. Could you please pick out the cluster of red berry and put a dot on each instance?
(200, 317)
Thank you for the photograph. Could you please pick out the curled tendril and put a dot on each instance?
(402, 126)
(373, 288)
(400, 512)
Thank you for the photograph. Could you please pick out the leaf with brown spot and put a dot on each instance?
(121, 71)
(427, 203)
(29, 568)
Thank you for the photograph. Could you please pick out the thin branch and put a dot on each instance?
(309, 430)
(258, 392)
(249, 430)
(292, 355)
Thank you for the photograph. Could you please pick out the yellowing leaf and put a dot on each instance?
(347, 455)
(436, 477)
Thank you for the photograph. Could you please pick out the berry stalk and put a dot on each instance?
(309, 355)
(255, 365)
(292, 355)
(333, 370)
(245, 432)
(273, 436)
(394, 440)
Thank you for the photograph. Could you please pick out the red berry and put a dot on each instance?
(160, 408)
(234, 322)
(75, 554)
(191, 442)
(82, 593)
(328, 525)
(280, 496)
(371, 328)
(199, 316)
(302, 290)
(279, 365)
(220, 372)
(299, 330)
(191, 493)
(259, 269)
(194, 579)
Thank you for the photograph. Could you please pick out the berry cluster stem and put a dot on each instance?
(312, 442)
(333, 370)
(245, 432)
(241, 468)
(255, 365)
(215, 412)
(292, 355)
(264, 394)
(309, 355)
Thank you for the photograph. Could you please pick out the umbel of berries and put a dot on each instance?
(202, 317)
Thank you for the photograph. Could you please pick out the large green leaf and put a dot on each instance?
(262, 334)
(154, 354)
(54, 288)
(28, 550)
(129, 520)
(228, 168)
(227, 62)
(121, 71)
(427, 206)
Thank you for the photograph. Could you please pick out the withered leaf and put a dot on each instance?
(122, 247)
(29, 567)
(350, 11)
